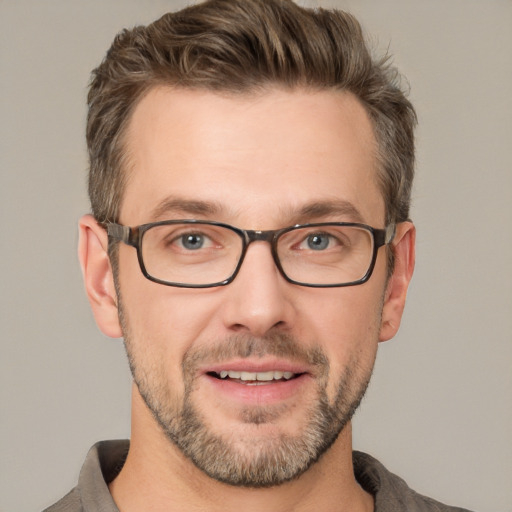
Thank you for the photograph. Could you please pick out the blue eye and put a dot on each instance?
(318, 241)
(192, 241)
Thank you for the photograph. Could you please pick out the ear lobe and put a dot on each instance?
(97, 274)
(396, 290)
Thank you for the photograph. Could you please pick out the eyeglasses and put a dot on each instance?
(204, 254)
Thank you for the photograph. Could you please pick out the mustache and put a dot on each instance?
(243, 346)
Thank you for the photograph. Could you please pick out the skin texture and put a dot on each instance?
(256, 162)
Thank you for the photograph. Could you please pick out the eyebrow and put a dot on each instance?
(336, 207)
(192, 207)
(315, 210)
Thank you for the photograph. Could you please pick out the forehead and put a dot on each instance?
(258, 158)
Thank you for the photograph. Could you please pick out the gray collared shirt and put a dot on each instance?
(106, 458)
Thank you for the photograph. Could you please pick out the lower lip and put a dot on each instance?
(266, 392)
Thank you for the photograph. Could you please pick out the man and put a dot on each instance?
(250, 177)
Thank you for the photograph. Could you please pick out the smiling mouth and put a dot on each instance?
(254, 378)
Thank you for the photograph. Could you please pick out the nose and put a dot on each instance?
(259, 299)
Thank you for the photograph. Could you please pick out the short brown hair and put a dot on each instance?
(242, 46)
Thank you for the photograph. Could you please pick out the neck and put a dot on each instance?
(158, 477)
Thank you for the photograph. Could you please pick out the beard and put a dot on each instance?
(249, 460)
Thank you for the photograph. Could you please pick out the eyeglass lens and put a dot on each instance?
(202, 254)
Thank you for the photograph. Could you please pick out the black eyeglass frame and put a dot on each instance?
(133, 236)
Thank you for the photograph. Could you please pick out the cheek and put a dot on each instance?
(159, 329)
(343, 314)
(168, 320)
(345, 323)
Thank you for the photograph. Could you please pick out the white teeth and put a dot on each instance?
(256, 376)
(267, 375)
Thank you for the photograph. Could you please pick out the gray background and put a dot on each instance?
(439, 409)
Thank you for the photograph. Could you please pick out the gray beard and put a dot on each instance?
(251, 462)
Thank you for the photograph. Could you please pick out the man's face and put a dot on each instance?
(262, 162)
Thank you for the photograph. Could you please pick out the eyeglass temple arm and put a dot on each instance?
(118, 232)
(390, 233)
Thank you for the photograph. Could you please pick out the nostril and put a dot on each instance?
(238, 328)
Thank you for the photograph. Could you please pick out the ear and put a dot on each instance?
(98, 277)
(396, 290)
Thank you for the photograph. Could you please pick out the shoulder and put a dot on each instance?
(69, 503)
(102, 464)
(391, 493)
